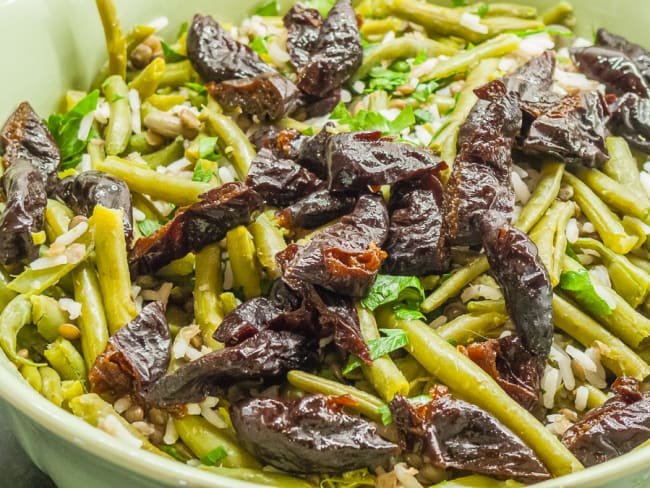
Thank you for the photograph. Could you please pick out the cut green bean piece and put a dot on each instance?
(485, 306)
(66, 360)
(207, 288)
(177, 74)
(259, 477)
(112, 267)
(57, 218)
(562, 14)
(269, 241)
(118, 130)
(504, 10)
(71, 389)
(467, 328)
(96, 152)
(384, 376)
(35, 281)
(549, 235)
(48, 316)
(51, 385)
(243, 262)
(32, 376)
(115, 40)
(228, 302)
(596, 397)
(365, 403)
(6, 294)
(157, 185)
(606, 222)
(92, 321)
(542, 197)
(378, 101)
(616, 356)
(450, 287)
(467, 380)
(147, 81)
(16, 315)
(202, 438)
(167, 155)
(623, 167)
(137, 35)
(232, 140)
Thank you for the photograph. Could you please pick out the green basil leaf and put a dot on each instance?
(207, 146)
(365, 120)
(257, 45)
(267, 8)
(579, 284)
(393, 340)
(171, 56)
(148, 227)
(391, 289)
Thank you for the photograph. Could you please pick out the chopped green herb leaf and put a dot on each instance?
(424, 90)
(197, 87)
(365, 120)
(400, 66)
(393, 340)
(171, 56)
(422, 116)
(207, 146)
(309, 131)
(267, 8)
(257, 45)
(482, 10)
(214, 456)
(391, 289)
(403, 313)
(202, 173)
(583, 291)
(384, 79)
(420, 58)
(182, 30)
(148, 227)
(572, 253)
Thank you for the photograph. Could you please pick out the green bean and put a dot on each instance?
(177, 74)
(259, 477)
(596, 397)
(456, 282)
(71, 389)
(228, 302)
(115, 40)
(467, 327)
(465, 60)
(269, 241)
(178, 268)
(467, 380)
(484, 306)
(619, 196)
(562, 13)
(32, 376)
(549, 235)
(96, 152)
(145, 206)
(92, 321)
(505, 10)
(637, 228)
(542, 197)
(207, 287)
(243, 262)
(232, 140)
(622, 166)
(51, 385)
(378, 101)
(168, 154)
(639, 262)
(365, 403)
(629, 281)
(411, 369)
(35, 281)
(477, 481)
(384, 376)
(57, 218)
(112, 267)
(16, 315)
(147, 81)
(6, 295)
(118, 130)
(66, 360)
(616, 356)
(158, 186)
(202, 438)
(380, 27)
(138, 143)
(48, 316)
(407, 46)
(447, 137)
(605, 221)
(94, 410)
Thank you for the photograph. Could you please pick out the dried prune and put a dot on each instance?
(269, 96)
(638, 54)
(303, 26)
(417, 241)
(613, 68)
(344, 257)
(316, 209)
(523, 279)
(631, 119)
(337, 53)
(357, 160)
(308, 435)
(264, 356)
(196, 226)
(216, 56)
(136, 356)
(573, 130)
(615, 428)
(457, 434)
(82, 192)
(25, 136)
(281, 182)
(311, 153)
(24, 189)
(246, 321)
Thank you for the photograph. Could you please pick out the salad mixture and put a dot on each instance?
(394, 245)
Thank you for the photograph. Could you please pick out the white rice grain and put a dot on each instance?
(406, 476)
(69, 305)
(85, 164)
(535, 45)
(85, 125)
(227, 277)
(522, 194)
(214, 417)
(550, 384)
(209, 402)
(607, 294)
(472, 292)
(564, 365)
(473, 22)
(598, 379)
(226, 175)
(49, 262)
(134, 103)
(572, 231)
(573, 82)
(600, 275)
(171, 435)
(138, 215)
(358, 87)
(582, 395)
(144, 428)
(72, 235)
(583, 359)
(588, 228)
(103, 111)
(122, 404)
(193, 409)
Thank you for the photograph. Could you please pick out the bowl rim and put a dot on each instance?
(15, 390)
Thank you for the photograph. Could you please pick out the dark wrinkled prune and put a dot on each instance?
(631, 119)
(25, 136)
(523, 279)
(480, 178)
(417, 241)
(136, 356)
(265, 137)
(574, 131)
(457, 434)
(637, 53)
(316, 209)
(516, 371)
(216, 56)
(284, 143)
(264, 356)
(281, 182)
(357, 160)
(82, 192)
(24, 189)
(246, 321)
(613, 68)
(318, 106)
(344, 257)
(268, 96)
(196, 226)
(312, 152)
(308, 435)
(337, 53)
(303, 26)
(615, 428)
